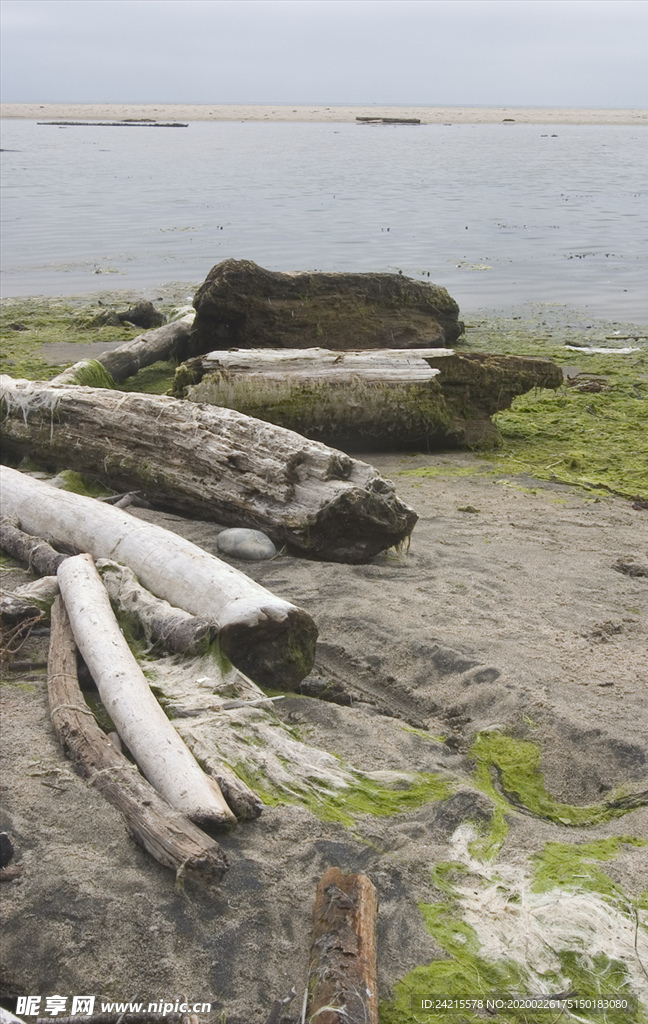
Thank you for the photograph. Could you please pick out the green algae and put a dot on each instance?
(343, 805)
(469, 976)
(27, 324)
(464, 972)
(428, 736)
(592, 441)
(593, 431)
(81, 483)
(574, 865)
(441, 469)
(508, 770)
(93, 374)
(156, 379)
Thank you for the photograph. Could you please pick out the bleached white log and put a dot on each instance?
(140, 721)
(165, 833)
(268, 638)
(390, 364)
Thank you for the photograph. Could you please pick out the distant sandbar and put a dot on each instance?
(235, 112)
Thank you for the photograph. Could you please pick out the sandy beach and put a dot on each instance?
(480, 694)
(250, 112)
(515, 619)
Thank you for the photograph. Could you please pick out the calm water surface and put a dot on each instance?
(499, 214)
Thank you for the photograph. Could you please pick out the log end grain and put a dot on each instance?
(276, 654)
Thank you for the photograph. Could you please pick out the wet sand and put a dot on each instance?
(249, 112)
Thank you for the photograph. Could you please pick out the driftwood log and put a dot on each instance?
(158, 622)
(242, 305)
(140, 721)
(15, 609)
(144, 615)
(167, 342)
(166, 834)
(35, 552)
(374, 400)
(266, 637)
(29, 601)
(147, 616)
(342, 980)
(210, 462)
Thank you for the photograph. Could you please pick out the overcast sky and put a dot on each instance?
(569, 53)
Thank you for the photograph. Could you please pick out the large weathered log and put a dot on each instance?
(210, 462)
(243, 305)
(163, 832)
(266, 637)
(342, 976)
(389, 365)
(140, 721)
(381, 399)
(167, 342)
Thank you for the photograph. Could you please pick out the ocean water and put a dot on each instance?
(498, 214)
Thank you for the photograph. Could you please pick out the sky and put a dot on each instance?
(556, 53)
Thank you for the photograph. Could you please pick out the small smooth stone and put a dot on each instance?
(251, 545)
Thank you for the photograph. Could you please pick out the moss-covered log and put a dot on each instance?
(241, 304)
(210, 462)
(167, 342)
(381, 399)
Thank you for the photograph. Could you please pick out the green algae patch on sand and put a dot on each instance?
(441, 469)
(577, 865)
(360, 796)
(591, 440)
(509, 769)
(26, 325)
(504, 935)
(593, 431)
(32, 328)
